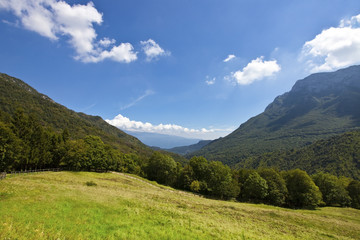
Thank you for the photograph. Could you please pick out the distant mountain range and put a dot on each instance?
(162, 141)
(317, 107)
(15, 93)
(183, 150)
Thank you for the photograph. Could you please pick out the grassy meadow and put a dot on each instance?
(82, 205)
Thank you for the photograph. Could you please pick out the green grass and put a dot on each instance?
(60, 205)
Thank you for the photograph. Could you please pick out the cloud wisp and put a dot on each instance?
(210, 81)
(229, 58)
(146, 94)
(256, 70)
(56, 19)
(125, 123)
(334, 48)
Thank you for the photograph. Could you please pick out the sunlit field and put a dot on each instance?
(82, 205)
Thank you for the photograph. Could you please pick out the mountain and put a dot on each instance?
(183, 150)
(15, 93)
(338, 155)
(162, 141)
(317, 107)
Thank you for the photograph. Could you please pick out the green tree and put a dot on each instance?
(277, 190)
(195, 186)
(200, 168)
(131, 164)
(255, 188)
(75, 155)
(354, 192)
(185, 178)
(332, 189)
(220, 181)
(161, 168)
(10, 148)
(95, 153)
(302, 191)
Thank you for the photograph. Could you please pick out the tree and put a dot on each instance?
(75, 156)
(354, 192)
(95, 153)
(220, 182)
(255, 188)
(131, 164)
(332, 189)
(10, 148)
(186, 177)
(200, 167)
(195, 186)
(302, 191)
(161, 168)
(277, 190)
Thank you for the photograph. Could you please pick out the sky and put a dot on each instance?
(195, 69)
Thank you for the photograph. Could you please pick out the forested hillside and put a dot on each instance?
(319, 106)
(339, 155)
(14, 94)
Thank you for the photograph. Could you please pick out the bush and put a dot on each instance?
(90, 183)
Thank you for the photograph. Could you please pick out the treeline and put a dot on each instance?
(293, 188)
(26, 144)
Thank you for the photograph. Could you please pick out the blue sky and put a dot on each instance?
(187, 68)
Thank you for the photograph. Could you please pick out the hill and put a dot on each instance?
(15, 93)
(122, 206)
(338, 155)
(183, 150)
(317, 107)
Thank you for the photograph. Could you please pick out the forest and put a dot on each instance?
(25, 143)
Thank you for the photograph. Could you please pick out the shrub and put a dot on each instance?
(90, 183)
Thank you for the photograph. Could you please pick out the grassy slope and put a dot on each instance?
(60, 205)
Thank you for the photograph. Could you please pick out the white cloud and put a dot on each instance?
(122, 53)
(230, 57)
(334, 48)
(256, 70)
(209, 81)
(106, 42)
(152, 50)
(34, 15)
(54, 19)
(125, 123)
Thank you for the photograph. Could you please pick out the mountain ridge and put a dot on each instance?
(315, 108)
(16, 93)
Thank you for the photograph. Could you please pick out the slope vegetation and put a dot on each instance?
(14, 94)
(80, 205)
(339, 155)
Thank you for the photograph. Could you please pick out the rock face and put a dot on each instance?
(317, 107)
